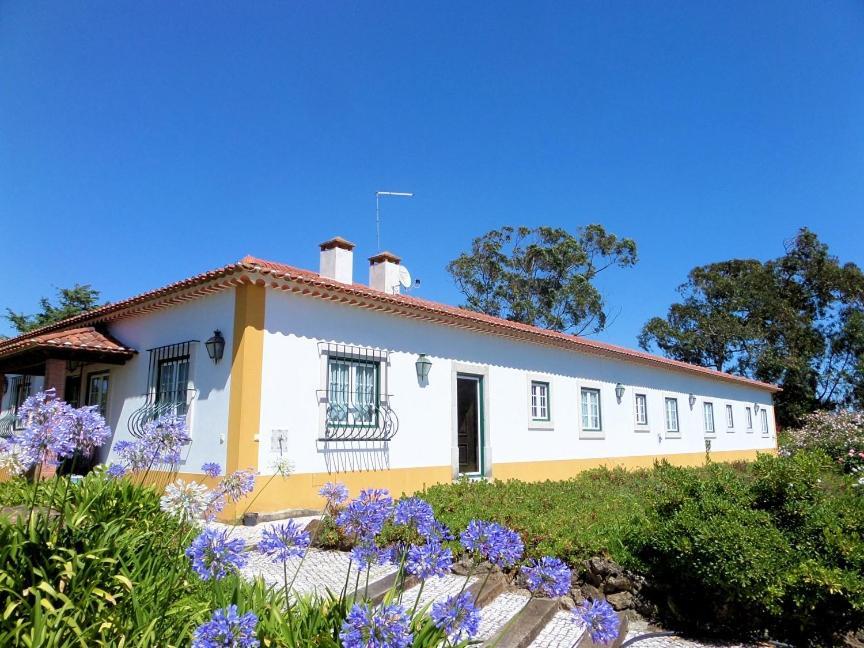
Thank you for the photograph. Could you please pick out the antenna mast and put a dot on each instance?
(378, 195)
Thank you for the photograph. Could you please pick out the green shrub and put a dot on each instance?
(840, 435)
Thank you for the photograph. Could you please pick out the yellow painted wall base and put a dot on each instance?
(566, 468)
(301, 491)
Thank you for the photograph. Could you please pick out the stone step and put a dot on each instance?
(520, 631)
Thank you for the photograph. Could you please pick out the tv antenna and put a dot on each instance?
(378, 194)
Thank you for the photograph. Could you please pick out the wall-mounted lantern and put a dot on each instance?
(756, 407)
(619, 392)
(423, 365)
(692, 400)
(215, 346)
(707, 445)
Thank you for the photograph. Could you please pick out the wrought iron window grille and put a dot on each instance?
(18, 390)
(355, 402)
(168, 391)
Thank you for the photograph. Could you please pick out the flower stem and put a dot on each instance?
(417, 601)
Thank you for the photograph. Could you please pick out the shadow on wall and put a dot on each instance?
(355, 456)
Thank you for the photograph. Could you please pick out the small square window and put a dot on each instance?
(591, 419)
(708, 409)
(641, 409)
(539, 401)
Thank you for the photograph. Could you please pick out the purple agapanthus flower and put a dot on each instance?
(431, 559)
(334, 492)
(497, 544)
(367, 554)
(214, 555)
(284, 541)
(388, 626)
(134, 455)
(237, 485)
(115, 471)
(457, 616)
(227, 629)
(417, 513)
(164, 438)
(548, 576)
(599, 620)
(365, 516)
(47, 426)
(88, 429)
(211, 469)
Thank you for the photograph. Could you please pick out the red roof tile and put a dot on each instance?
(307, 282)
(85, 338)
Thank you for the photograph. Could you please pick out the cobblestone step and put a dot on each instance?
(522, 630)
(559, 632)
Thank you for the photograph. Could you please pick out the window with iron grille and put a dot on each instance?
(353, 393)
(169, 390)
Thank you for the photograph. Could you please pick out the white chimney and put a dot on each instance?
(337, 260)
(384, 272)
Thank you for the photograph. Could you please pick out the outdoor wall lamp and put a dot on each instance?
(619, 392)
(692, 400)
(423, 365)
(215, 346)
(756, 407)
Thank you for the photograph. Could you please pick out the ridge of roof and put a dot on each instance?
(283, 271)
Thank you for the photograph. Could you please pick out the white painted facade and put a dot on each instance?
(294, 374)
(300, 330)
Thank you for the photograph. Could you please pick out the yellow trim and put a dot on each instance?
(566, 468)
(247, 358)
(300, 491)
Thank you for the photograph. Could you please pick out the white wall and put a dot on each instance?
(292, 373)
(192, 320)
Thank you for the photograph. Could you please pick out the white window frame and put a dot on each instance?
(104, 375)
(708, 406)
(540, 423)
(749, 411)
(361, 400)
(670, 432)
(641, 426)
(591, 432)
(730, 417)
(763, 420)
(539, 402)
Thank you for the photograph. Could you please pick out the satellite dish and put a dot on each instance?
(404, 277)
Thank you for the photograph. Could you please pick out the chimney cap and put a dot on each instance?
(337, 242)
(384, 256)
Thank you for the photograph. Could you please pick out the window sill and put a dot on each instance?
(541, 425)
(730, 430)
(673, 435)
(710, 435)
(592, 435)
(641, 430)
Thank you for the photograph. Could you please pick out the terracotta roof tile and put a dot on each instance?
(85, 338)
(311, 283)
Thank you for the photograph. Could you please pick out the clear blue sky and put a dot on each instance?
(142, 142)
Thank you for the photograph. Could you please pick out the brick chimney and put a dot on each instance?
(384, 272)
(337, 260)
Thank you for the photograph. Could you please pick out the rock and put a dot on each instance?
(602, 567)
(617, 583)
(461, 567)
(620, 600)
(314, 527)
(567, 602)
(588, 591)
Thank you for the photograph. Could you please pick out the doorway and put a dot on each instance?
(469, 423)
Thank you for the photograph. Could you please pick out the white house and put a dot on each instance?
(333, 375)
